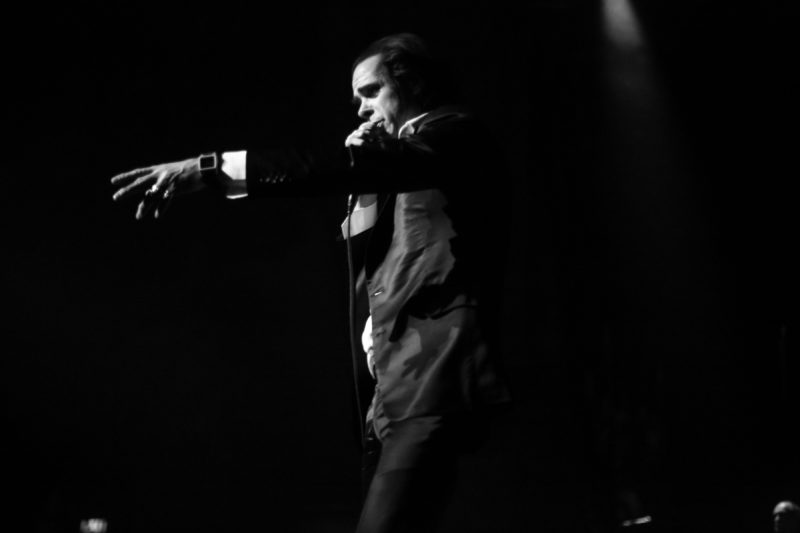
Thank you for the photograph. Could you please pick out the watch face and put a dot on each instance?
(208, 162)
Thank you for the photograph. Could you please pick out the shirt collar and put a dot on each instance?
(410, 127)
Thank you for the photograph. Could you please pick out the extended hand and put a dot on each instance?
(367, 133)
(158, 184)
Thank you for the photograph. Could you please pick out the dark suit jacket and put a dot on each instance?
(433, 261)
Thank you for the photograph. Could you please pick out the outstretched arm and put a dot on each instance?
(438, 157)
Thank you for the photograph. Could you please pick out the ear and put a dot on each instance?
(418, 87)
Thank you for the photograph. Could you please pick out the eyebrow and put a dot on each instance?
(363, 89)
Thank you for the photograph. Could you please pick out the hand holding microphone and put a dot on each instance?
(367, 133)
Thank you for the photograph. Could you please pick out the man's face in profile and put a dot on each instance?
(379, 101)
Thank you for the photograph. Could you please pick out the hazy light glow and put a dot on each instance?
(637, 521)
(621, 25)
(94, 525)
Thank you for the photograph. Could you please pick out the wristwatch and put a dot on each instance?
(209, 166)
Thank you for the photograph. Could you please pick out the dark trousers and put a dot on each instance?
(410, 476)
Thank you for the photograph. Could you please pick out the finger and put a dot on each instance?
(146, 206)
(371, 127)
(161, 195)
(140, 209)
(354, 141)
(135, 187)
(356, 138)
(149, 207)
(164, 203)
(128, 176)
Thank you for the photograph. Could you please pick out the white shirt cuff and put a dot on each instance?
(234, 166)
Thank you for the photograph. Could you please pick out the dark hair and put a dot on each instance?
(407, 62)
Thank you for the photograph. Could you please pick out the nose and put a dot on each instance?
(364, 111)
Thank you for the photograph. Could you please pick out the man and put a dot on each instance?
(424, 174)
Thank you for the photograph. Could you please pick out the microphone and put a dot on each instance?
(352, 198)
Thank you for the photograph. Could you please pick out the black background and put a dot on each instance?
(194, 374)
